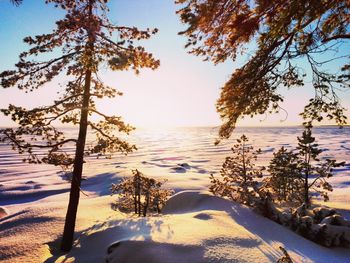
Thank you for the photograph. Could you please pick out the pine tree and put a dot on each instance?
(285, 181)
(314, 172)
(239, 174)
(277, 35)
(78, 47)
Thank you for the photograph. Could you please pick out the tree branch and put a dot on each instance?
(26, 146)
(341, 36)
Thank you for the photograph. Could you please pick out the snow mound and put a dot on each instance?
(199, 227)
(186, 201)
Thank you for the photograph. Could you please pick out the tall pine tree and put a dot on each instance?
(81, 43)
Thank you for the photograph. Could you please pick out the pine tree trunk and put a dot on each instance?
(69, 226)
(139, 203)
(68, 233)
(145, 208)
(135, 203)
(306, 183)
(306, 191)
(138, 195)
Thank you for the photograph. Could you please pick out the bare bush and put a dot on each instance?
(140, 194)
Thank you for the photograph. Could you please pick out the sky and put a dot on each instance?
(182, 92)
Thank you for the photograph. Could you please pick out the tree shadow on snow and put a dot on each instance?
(95, 240)
(271, 232)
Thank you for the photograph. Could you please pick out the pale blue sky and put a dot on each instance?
(182, 92)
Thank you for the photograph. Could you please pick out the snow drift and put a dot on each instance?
(197, 227)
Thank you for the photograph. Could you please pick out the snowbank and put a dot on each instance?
(196, 228)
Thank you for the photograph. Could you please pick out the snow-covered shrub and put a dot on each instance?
(305, 226)
(267, 208)
(336, 220)
(321, 225)
(238, 174)
(331, 235)
(322, 212)
(333, 231)
(301, 210)
(140, 194)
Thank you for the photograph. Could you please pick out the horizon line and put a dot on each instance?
(203, 126)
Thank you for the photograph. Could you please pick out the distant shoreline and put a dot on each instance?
(209, 127)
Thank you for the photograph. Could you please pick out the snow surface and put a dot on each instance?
(196, 227)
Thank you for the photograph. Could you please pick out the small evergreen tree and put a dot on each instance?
(285, 181)
(140, 194)
(238, 174)
(314, 172)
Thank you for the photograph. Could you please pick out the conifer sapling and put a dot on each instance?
(239, 174)
(285, 178)
(314, 172)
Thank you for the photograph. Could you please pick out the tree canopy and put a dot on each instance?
(283, 33)
(16, 2)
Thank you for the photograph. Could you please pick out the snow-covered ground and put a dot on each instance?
(195, 228)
